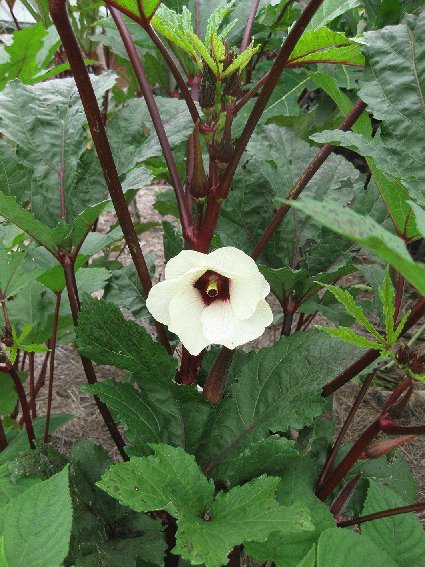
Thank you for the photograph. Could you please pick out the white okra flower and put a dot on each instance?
(216, 298)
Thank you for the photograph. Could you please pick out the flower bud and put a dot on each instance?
(381, 447)
(402, 354)
(197, 181)
(208, 88)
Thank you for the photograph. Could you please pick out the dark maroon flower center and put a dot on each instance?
(212, 287)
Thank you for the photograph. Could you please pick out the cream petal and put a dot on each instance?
(184, 262)
(245, 293)
(159, 298)
(221, 327)
(218, 321)
(251, 328)
(186, 309)
(232, 261)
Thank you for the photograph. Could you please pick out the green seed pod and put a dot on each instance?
(197, 180)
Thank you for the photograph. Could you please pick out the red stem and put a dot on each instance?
(418, 507)
(349, 461)
(309, 172)
(74, 301)
(94, 118)
(371, 355)
(249, 94)
(31, 371)
(185, 216)
(52, 364)
(24, 405)
(331, 459)
(249, 25)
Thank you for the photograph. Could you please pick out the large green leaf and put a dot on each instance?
(208, 527)
(271, 390)
(92, 540)
(107, 338)
(367, 232)
(46, 123)
(144, 9)
(402, 536)
(296, 487)
(393, 87)
(322, 44)
(330, 10)
(158, 411)
(336, 545)
(36, 525)
(276, 159)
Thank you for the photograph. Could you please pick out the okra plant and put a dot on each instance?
(282, 143)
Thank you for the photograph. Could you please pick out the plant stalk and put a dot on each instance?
(52, 364)
(60, 18)
(418, 507)
(3, 438)
(31, 371)
(24, 405)
(249, 25)
(185, 216)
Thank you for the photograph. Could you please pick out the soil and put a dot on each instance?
(69, 374)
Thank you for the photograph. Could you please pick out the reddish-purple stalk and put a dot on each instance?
(185, 216)
(24, 405)
(52, 343)
(417, 312)
(349, 419)
(31, 372)
(94, 118)
(332, 479)
(418, 507)
(146, 25)
(215, 383)
(341, 501)
(249, 25)
(74, 301)
(309, 172)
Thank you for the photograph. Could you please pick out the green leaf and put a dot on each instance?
(36, 525)
(158, 411)
(3, 560)
(330, 10)
(13, 276)
(346, 299)
(271, 390)
(208, 527)
(402, 536)
(46, 122)
(367, 232)
(104, 336)
(349, 336)
(393, 87)
(272, 456)
(276, 159)
(322, 44)
(9, 489)
(125, 290)
(296, 488)
(22, 63)
(173, 241)
(8, 395)
(335, 545)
